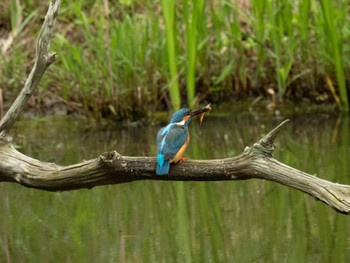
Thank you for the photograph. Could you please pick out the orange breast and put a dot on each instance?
(179, 154)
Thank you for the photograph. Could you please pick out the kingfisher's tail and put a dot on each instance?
(163, 166)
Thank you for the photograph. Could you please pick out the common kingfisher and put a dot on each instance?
(173, 139)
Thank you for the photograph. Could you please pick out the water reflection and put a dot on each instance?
(243, 221)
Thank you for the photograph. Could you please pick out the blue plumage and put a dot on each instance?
(171, 139)
(180, 114)
(162, 166)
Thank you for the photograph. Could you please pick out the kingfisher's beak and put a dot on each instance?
(200, 111)
(197, 112)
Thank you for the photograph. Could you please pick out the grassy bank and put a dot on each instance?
(128, 58)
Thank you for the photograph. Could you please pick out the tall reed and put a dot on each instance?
(193, 11)
(168, 8)
(283, 39)
(260, 28)
(332, 19)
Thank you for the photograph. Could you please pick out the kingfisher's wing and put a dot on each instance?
(171, 139)
(160, 137)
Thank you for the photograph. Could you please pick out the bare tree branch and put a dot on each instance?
(43, 60)
(112, 168)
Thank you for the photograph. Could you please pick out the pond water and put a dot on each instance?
(154, 221)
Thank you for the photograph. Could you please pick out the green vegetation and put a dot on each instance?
(168, 7)
(127, 58)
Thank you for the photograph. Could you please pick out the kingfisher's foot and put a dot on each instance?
(182, 159)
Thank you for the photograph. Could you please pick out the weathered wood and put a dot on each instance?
(112, 168)
(43, 59)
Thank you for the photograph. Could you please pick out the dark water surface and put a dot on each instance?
(238, 221)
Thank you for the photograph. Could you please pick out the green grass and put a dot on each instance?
(129, 58)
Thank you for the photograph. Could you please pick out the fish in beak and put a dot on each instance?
(201, 112)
